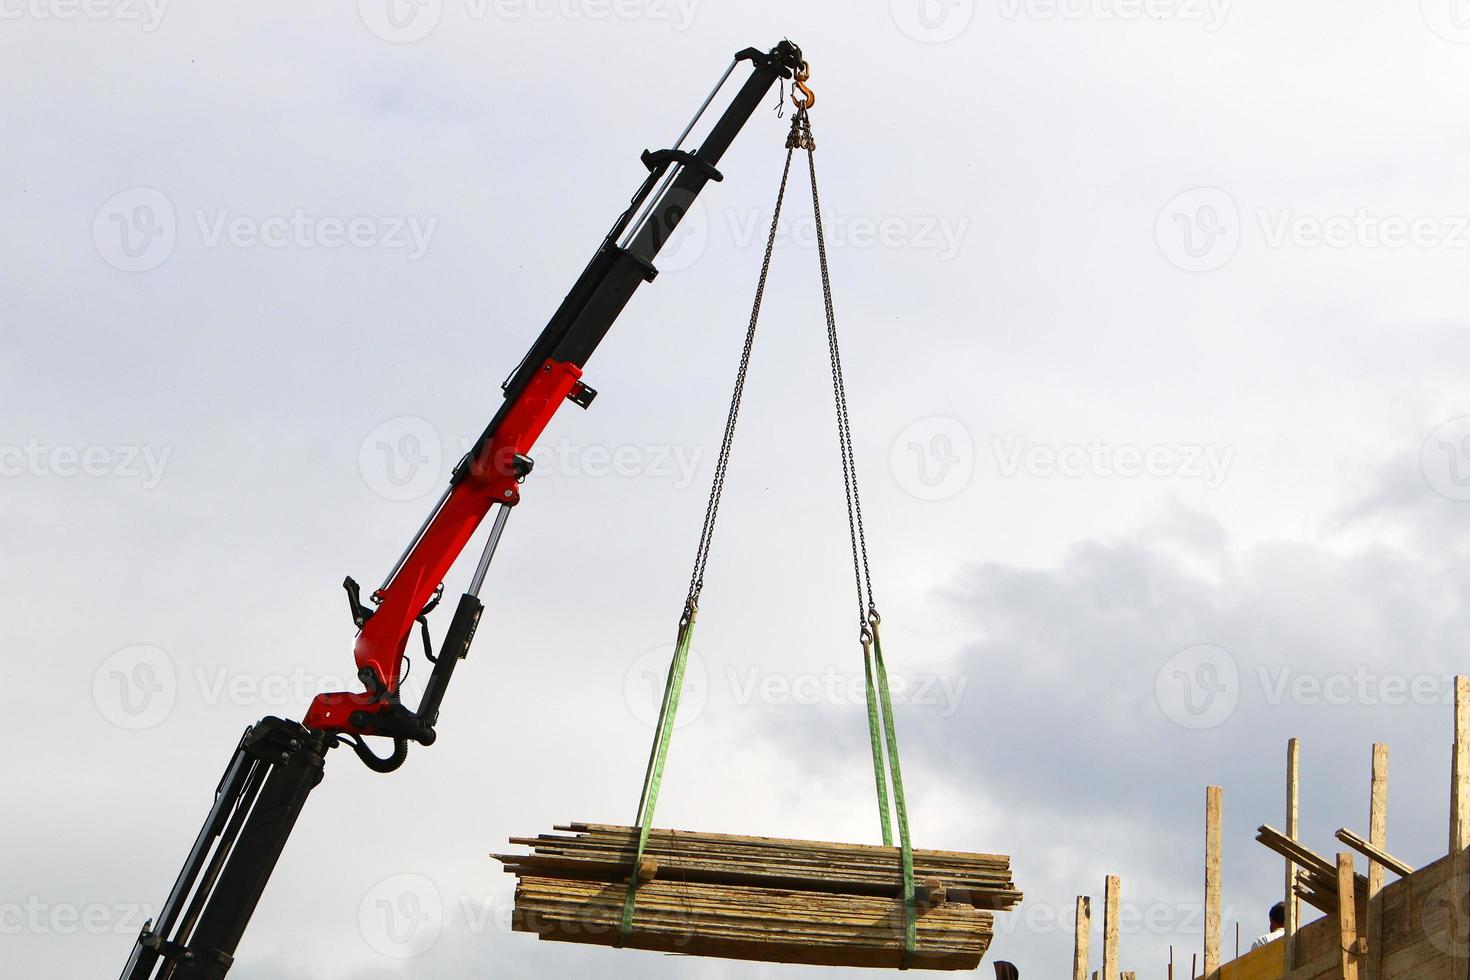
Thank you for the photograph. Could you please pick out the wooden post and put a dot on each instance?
(1212, 879)
(1378, 837)
(1081, 947)
(1460, 769)
(1293, 902)
(1111, 887)
(1459, 934)
(1347, 916)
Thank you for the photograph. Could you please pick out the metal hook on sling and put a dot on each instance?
(798, 81)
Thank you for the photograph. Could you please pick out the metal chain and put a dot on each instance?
(722, 463)
(862, 575)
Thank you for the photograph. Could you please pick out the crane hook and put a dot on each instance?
(799, 80)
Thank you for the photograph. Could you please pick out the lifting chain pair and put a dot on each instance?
(882, 736)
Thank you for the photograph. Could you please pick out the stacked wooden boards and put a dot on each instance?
(758, 898)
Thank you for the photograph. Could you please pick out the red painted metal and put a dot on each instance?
(490, 480)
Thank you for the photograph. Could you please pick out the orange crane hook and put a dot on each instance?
(799, 81)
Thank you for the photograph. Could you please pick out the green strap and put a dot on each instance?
(910, 910)
(875, 735)
(653, 776)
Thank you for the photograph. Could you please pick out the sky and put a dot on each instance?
(1153, 319)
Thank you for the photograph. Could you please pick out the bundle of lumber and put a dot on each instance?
(757, 898)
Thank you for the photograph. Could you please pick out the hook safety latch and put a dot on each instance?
(799, 81)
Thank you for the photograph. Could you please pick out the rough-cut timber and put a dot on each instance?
(757, 898)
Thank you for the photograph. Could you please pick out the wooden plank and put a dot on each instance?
(1374, 853)
(1347, 911)
(1082, 942)
(1213, 813)
(1293, 902)
(1378, 839)
(1112, 885)
(1459, 881)
(759, 899)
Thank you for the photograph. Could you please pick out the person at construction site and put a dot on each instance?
(1278, 926)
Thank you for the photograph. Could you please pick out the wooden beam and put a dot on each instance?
(1377, 855)
(1378, 840)
(1081, 946)
(1292, 900)
(1460, 769)
(1318, 873)
(1347, 917)
(1459, 885)
(1111, 887)
(1213, 809)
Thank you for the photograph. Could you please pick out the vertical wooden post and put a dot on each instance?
(1293, 902)
(1111, 887)
(1378, 837)
(1459, 927)
(1212, 879)
(1081, 946)
(1460, 769)
(1347, 916)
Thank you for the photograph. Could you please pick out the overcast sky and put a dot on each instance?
(1153, 312)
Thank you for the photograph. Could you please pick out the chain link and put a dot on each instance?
(722, 463)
